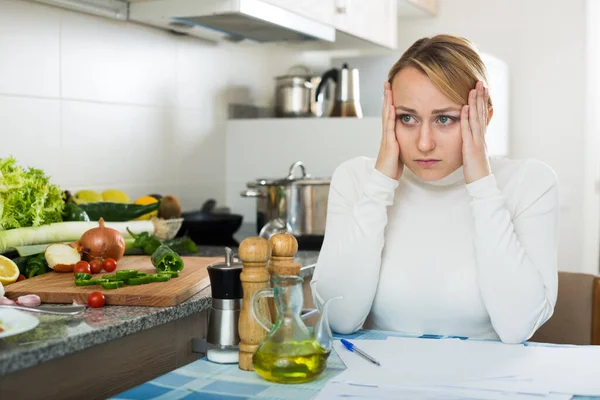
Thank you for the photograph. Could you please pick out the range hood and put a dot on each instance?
(230, 19)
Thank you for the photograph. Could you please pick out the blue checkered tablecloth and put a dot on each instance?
(204, 380)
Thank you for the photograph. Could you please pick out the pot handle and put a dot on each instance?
(293, 168)
(252, 193)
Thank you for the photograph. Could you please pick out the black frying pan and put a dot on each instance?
(207, 227)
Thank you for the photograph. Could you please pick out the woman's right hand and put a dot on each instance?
(388, 159)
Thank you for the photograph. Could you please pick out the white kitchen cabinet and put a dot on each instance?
(375, 21)
(319, 10)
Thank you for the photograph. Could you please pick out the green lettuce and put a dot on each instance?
(27, 198)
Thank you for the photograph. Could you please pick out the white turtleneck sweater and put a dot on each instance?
(443, 257)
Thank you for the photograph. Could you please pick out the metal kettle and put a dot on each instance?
(346, 102)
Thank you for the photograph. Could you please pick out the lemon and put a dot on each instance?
(86, 196)
(116, 196)
(146, 200)
(9, 272)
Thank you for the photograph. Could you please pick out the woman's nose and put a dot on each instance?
(425, 141)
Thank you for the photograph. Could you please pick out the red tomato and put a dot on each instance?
(82, 266)
(96, 266)
(96, 299)
(21, 277)
(110, 265)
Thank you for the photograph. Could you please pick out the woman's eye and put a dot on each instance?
(446, 120)
(406, 119)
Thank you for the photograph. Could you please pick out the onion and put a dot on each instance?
(61, 257)
(101, 243)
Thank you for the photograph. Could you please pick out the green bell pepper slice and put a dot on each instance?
(165, 259)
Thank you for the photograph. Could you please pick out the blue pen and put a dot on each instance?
(354, 349)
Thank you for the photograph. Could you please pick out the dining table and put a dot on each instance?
(205, 380)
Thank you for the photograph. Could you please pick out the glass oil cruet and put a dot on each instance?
(290, 353)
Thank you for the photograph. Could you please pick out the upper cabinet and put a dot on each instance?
(373, 21)
(320, 24)
(318, 10)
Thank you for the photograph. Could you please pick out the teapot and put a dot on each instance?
(346, 102)
(290, 353)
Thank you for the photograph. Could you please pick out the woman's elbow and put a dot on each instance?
(344, 327)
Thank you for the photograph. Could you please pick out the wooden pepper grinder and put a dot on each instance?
(254, 253)
(284, 247)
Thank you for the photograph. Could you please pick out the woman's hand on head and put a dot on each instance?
(388, 159)
(474, 121)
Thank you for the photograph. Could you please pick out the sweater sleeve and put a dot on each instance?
(350, 258)
(517, 255)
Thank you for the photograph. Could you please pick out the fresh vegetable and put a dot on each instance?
(182, 245)
(29, 300)
(96, 266)
(148, 243)
(96, 299)
(145, 241)
(147, 200)
(9, 271)
(101, 243)
(26, 251)
(117, 212)
(158, 278)
(68, 232)
(82, 267)
(21, 278)
(7, 301)
(112, 285)
(109, 265)
(33, 265)
(124, 277)
(72, 212)
(83, 276)
(142, 280)
(126, 274)
(27, 198)
(62, 257)
(165, 259)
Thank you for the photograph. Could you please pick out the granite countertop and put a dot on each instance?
(58, 336)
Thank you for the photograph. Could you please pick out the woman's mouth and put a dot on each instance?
(427, 162)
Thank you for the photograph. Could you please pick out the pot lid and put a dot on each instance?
(304, 179)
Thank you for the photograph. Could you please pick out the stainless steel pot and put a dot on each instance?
(297, 205)
(296, 94)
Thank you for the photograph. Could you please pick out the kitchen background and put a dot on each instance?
(100, 103)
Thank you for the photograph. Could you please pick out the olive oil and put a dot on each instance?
(290, 362)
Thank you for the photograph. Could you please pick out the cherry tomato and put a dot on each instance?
(82, 266)
(96, 299)
(96, 266)
(110, 265)
(21, 277)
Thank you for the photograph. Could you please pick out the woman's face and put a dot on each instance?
(427, 126)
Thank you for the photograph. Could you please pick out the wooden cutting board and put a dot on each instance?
(59, 287)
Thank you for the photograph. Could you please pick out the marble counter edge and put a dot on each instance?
(54, 348)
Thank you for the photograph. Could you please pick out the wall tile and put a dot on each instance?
(113, 61)
(30, 131)
(29, 49)
(115, 145)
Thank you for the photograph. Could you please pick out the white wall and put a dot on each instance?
(543, 43)
(99, 103)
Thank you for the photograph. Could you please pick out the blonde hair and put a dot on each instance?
(452, 63)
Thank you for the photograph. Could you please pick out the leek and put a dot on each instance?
(67, 232)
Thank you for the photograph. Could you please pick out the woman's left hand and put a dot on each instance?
(474, 121)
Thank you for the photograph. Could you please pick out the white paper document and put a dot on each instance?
(339, 390)
(443, 368)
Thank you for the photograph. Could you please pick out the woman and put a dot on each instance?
(434, 236)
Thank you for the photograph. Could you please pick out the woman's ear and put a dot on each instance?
(490, 114)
